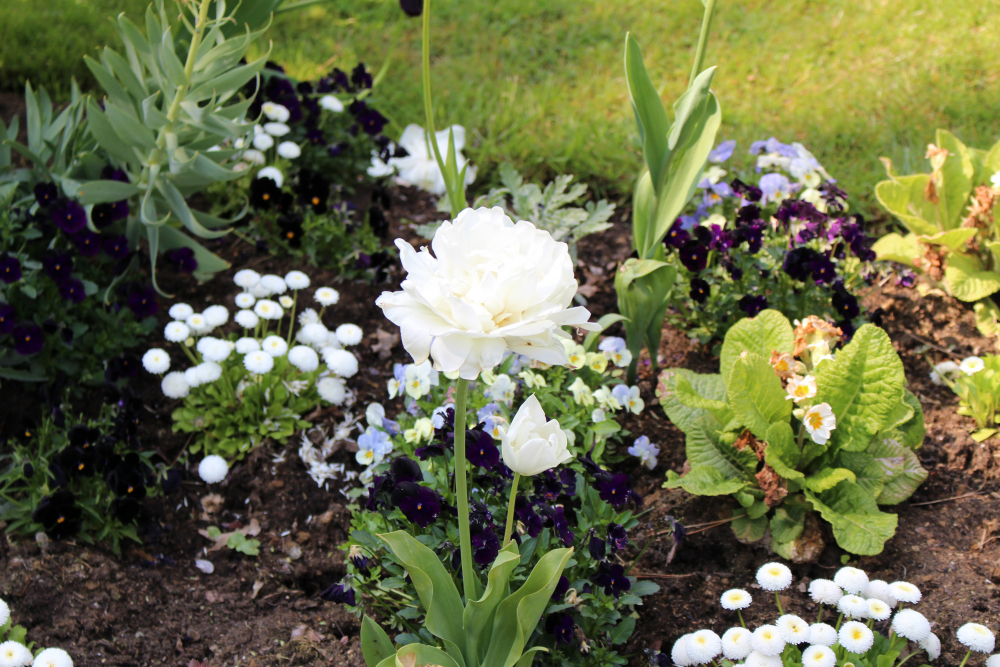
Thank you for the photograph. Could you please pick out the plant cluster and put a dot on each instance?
(15, 652)
(976, 381)
(782, 243)
(252, 383)
(793, 426)
(952, 235)
(87, 479)
(865, 610)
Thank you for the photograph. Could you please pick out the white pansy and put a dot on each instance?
(332, 390)
(736, 643)
(326, 296)
(213, 469)
(246, 278)
(275, 175)
(258, 362)
(331, 103)
(268, 310)
(490, 286)
(304, 358)
(247, 319)
(533, 445)
(277, 112)
(180, 311)
(774, 577)
(349, 334)
(289, 150)
(977, 637)
(156, 361)
(176, 332)
(296, 280)
(855, 637)
(820, 423)
(340, 362)
(274, 345)
(502, 389)
(417, 379)
(247, 345)
(971, 365)
(277, 129)
(245, 300)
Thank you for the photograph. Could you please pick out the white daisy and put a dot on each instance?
(180, 311)
(349, 334)
(878, 609)
(933, 647)
(14, 654)
(992, 661)
(822, 634)
(327, 296)
(52, 657)
(247, 319)
(198, 323)
(331, 103)
(971, 365)
(258, 362)
(276, 111)
(703, 646)
(245, 300)
(4, 613)
(262, 142)
(977, 637)
(851, 579)
(271, 172)
(191, 377)
(304, 358)
(824, 591)
(156, 361)
(286, 301)
(756, 659)
(308, 316)
(247, 345)
(216, 315)
(176, 332)
(275, 346)
(246, 278)
(774, 577)
(213, 349)
(904, 591)
(679, 652)
(208, 371)
(268, 310)
(332, 390)
(767, 640)
(314, 333)
(879, 590)
(277, 129)
(911, 624)
(818, 656)
(735, 599)
(296, 280)
(213, 469)
(855, 637)
(289, 150)
(340, 362)
(174, 385)
(793, 629)
(274, 284)
(736, 643)
(853, 606)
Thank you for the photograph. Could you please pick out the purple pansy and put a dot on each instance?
(28, 338)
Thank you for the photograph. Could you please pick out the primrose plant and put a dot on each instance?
(792, 426)
(976, 381)
(864, 611)
(253, 382)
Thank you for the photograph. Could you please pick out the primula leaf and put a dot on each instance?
(862, 385)
(749, 530)
(434, 585)
(895, 248)
(903, 196)
(967, 281)
(868, 474)
(954, 239)
(756, 396)
(770, 331)
(858, 525)
(901, 468)
(827, 478)
(705, 481)
(782, 453)
(788, 522)
(958, 172)
(703, 446)
(686, 394)
(711, 387)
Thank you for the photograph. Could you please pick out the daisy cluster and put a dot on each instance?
(860, 603)
(13, 652)
(259, 344)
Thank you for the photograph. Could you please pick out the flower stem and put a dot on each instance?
(776, 599)
(291, 325)
(699, 54)
(461, 488)
(456, 193)
(966, 658)
(740, 614)
(819, 617)
(510, 509)
(839, 619)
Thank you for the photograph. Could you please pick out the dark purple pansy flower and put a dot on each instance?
(10, 269)
(58, 267)
(412, 7)
(749, 192)
(906, 278)
(848, 330)
(693, 255)
(28, 338)
(87, 242)
(143, 302)
(612, 578)
(485, 545)
(752, 305)
(548, 485)
(334, 150)
(102, 215)
(616, 489)
(72, 290)
(183, 259)
(7, 318)
(798, 262)
(380, 485)
(372, 121)
(562, 587)
(405, 469)
(264, 193)
(557, 517)
(480, 450)
(59, 515)
(172, 481)
(69, 216)
(562, 627)
(109, 173)
(121, 210)
(339, 593)
(419, 504)
(524, 510)
(46, 194)
(568, 478)
(845, 304)
(597, 547)
(699, 290)
(116, 248)
(360, 77)
(735, 272)
(617, 537)
(823, 270)
(315, 137)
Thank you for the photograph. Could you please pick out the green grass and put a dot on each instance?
(539, 83)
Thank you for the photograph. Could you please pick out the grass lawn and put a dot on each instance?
(539, 82)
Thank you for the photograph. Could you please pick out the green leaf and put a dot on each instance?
(967, 281)
(827, 478)
(749, 530)
(104, 132)
(957, 172)
(704, 447)
(904, 197)
(710, 387)
(434, 585)
(858, 525)
(705, 480)
(895, 248)
(862, 385)
(769, 332)
(988, 314)
(621, 632)
(901, 468)
(528, 656)
(425, 656)
(650, 114)
(954, 239)
(479, 614)
(375, 643)
(868, 473)
(98, 192)
(756, 396)
(782, 453)
(788, 522)
(644, 588)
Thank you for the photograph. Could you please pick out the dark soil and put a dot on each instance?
(153, 606)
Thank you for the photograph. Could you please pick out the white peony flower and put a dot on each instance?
(491, 286)
(736, 643)
(208, 371)
(213, 469)
(198, 323)
(855, 637)
(277, 129)
(818, 656)
(327, 296)
(246, 319)
(296, 280)
(679, 652)
(14, 654)
(247, 345)
(174, 385)
(180, 311)
(331, 103)
(774, 577)
(156, 361)
(820, 422)
(971, 365)
(340, 362)
(767, 640)
(349, 334)
(276, 111)
(800, 388)
(289, 150)
(933, 647)
(275, 175)
(258, 362)
(793, 629)
(824, 591)
(213, 349)
(904, 591)
(977, 637)
(332, 390)
(822, 634)
(853, 606)
(52, 657)
(246, 278)
(176, 332)
(734, 599)
(420, 168)
(703, 646)
(533, 445)
(275, 346)
(911, 624)
(268, 310)
(262, 142)
(273, 284)
(304, 358)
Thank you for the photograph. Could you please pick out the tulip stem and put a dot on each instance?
(462, 491)
(510, 509)
(699, 55)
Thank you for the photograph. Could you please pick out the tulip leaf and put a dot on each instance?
(858, 525)
(756, 396)
(478, 617)
(375, 643)
(98, 192)
(650, 114)
(434, 586)
(528, 656)
(769, 332)
(425, 656)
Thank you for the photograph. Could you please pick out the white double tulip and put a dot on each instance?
(490, 286)
(533, 445)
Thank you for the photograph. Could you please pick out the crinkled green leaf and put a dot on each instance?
(788, 522)
(858, 525)
(868, 473)
(863, 385)
(904, 197)
(782, 453)
(711, 387)
(954, 239)
(705, 481)
(967, 281)
(957, 172)
(756, 396)
(749, 530)
(770, 331)
(902, 472)
(704, 446)
(827, 478)
(896, 248)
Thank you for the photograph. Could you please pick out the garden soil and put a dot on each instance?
(153, 606)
